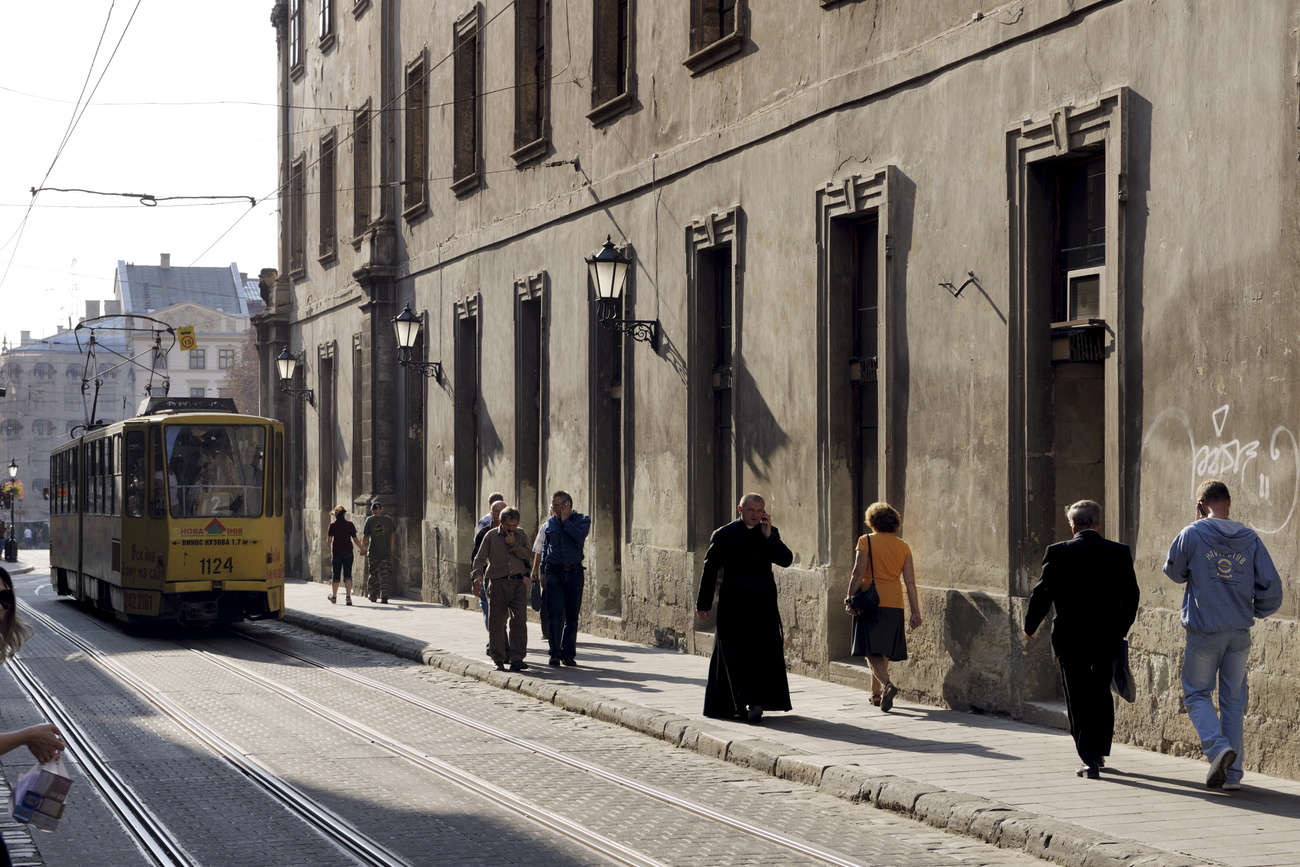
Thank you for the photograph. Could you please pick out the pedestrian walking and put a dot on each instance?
(377, 546)
(747, 670)
(43, 740)
(503, 561)
(343, 536)
(480, 588)
(1089, 580)
(537, 594)
(27, 537)
(885, 560)
(563, 576)
(489, 520)
(1229, 580)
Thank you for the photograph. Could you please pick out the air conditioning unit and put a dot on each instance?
(1083, 293)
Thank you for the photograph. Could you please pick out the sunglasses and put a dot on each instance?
(7, 599)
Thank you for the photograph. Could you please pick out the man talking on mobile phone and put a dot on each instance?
(747, 670)
(1229, 581)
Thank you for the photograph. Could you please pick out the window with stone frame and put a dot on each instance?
(328, 200)
(198, 391)
(611, 86)
(415, 198)
(225, 359)
(326, 19)
(295, 36)
(361, 175)
(717, 32)
(532, 79)
(198, 359)
(297, 217)
(466, 57)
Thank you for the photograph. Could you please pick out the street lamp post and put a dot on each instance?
(11, 542)
(608, 269)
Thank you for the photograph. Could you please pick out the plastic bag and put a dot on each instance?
(40, 796)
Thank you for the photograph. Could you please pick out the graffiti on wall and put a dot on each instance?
(1263, 473)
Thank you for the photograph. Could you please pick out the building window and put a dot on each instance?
(198, 391)
(611, 90)
(328, 249)
(13, 428)
(1080, 243)
(198, 359)
(532, 78)
(326, 23)
(225, 359)
(717, 32)
(295, 36)
(414, 198)
(465, 83)
(297, 212)
(361, 171)
(43, 427)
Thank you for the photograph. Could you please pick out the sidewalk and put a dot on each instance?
(1002, 781)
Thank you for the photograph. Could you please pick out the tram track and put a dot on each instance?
(686, 805)
(331, 825)
(144, 826)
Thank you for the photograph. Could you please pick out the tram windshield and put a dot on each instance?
(215, 470)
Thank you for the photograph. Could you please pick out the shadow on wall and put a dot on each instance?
(762, 435)
(975, 637)
(490, 447)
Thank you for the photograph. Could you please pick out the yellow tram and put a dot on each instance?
(176, 515)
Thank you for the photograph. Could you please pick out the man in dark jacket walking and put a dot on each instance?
(747, 670)
(1091, 583)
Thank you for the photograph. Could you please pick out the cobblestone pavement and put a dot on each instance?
(990, 778)
(224, 820)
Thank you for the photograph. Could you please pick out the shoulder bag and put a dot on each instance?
(865, 602)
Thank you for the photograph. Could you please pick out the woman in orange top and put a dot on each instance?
(883, 557)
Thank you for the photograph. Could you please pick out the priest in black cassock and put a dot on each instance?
(747, 671)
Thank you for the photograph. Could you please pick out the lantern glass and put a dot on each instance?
(286, 364)
(608, 271)
(13, 468)
(408, 328)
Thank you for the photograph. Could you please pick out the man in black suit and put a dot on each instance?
(1090, 580)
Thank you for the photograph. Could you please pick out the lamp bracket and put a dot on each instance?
(306, 394)
(644, 330)
(428, 368)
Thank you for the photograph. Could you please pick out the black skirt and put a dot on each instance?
(881, 633)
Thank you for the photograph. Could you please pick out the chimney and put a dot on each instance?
(24, 338)
(166, 260)
(92, 309)
(112, 308)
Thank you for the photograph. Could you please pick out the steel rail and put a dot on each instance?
(144, 826)
(325, 821)
(684, 804)
(611, 849)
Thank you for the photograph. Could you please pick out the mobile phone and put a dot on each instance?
(1200, 509)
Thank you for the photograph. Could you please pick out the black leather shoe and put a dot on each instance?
(1092, 772)
(518, 666)
(569, 661)
(555, 661)
(755, 713)
(501, 666)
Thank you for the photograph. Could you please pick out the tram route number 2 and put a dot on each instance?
(215, 566)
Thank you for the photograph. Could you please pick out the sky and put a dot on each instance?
(185, 107)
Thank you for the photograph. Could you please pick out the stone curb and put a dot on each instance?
(969, 815)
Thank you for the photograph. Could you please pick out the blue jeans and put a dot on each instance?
(1221, 657)
(563, 601)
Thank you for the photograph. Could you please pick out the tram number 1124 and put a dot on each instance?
(215, 566)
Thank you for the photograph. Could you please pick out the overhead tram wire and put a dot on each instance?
(73, 122)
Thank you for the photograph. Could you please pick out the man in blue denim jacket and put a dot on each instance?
(562, 576)
(1230, 580)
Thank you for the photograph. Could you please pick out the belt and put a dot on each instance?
(516, 577)
(559, 567)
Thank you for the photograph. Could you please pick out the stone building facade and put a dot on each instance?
(976, 261)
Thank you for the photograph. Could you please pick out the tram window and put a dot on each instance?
(115, 473)
(135, 474)
(161, 484)
(217, 469)
(277, 481)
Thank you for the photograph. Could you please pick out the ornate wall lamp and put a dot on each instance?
(609, 273)
(287, 363)
(408, 331)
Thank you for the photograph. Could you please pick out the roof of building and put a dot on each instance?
(143, 288)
